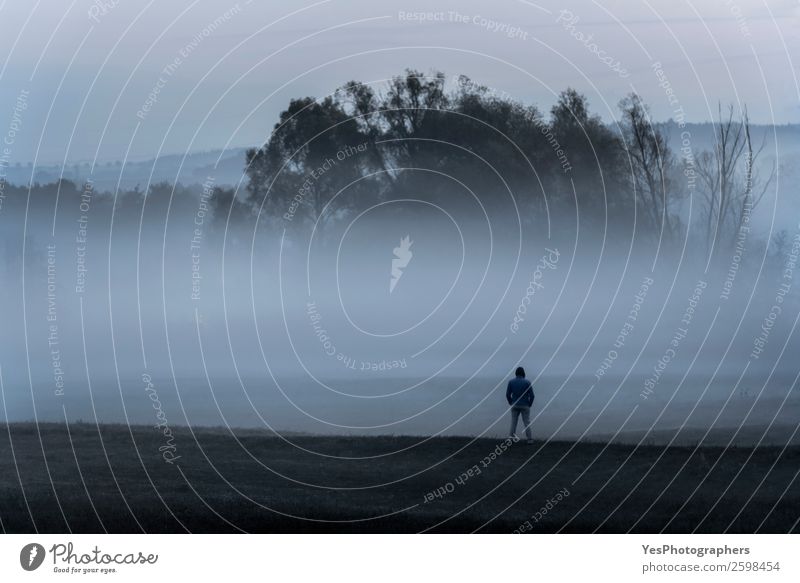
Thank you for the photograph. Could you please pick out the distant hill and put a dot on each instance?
(702, 136)
(195, 168)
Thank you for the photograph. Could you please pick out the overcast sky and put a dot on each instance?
(84, 72)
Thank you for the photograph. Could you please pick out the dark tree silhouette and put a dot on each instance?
(308, 162)
(651, 170)
(594, 158)
(414, 136)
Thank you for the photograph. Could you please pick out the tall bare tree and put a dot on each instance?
(731, 185)
(651, 166)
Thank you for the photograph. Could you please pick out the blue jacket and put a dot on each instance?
(519, 392)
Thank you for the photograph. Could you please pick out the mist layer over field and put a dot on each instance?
(143, 309)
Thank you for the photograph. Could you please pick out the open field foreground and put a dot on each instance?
(115, 479)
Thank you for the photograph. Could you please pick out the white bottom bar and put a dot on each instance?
(401, 558)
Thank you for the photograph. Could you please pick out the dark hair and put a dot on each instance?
(520, 371)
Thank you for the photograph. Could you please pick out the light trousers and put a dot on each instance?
(516, 411)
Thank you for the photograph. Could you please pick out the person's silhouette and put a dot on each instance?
(519, 395)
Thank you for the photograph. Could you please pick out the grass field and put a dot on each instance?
(113, 478)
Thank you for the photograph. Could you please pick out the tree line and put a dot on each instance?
(463, 144)
(327, 158)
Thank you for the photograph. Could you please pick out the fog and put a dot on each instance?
(361, 218)
(260, 324)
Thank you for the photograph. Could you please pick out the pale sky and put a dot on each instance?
(88, 70)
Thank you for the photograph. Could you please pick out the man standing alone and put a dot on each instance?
(519, 395)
